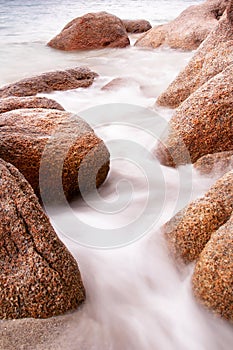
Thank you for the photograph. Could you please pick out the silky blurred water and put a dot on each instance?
(136, 298)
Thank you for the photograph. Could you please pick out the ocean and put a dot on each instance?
(136, 298)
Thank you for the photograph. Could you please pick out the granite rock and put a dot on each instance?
(215, 164)
(136, 26)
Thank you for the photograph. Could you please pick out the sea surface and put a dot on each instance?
(136, 298)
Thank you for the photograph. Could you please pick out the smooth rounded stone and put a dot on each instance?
(119, 83)
(202, 124)
(53, 146)
(39, 277)
(216, 163)
(50, 81)
(212, 57)
(92, 31)
(10, 103)
(190, 229)
(188, 30)
(136, 25)
(212, 279)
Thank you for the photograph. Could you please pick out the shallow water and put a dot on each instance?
(136, 298)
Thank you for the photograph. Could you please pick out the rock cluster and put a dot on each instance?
(39, 277)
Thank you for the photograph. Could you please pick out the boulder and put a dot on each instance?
(188, 30)
(64, 142)
(39, 277)
(202, 124)
(50, 81)
(92, 31)
(212, 57)
(215, 164)
(189, 230)
(212, 280)
(136, 26)
(10, 103)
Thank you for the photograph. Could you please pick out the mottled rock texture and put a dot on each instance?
(215, 164)
(188, 30)
(10, 103)
(212, 57)
(136, 26)
(39, 277)
(70, 144)
(202, 124)
(213, 275)
(92, 31)
(188, 231)
(50, 81)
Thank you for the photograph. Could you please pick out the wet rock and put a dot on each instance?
(216, 163)
(213, 278)
(202, 124)
(119, 83)
(212, 57)
(189, 230)
(136, 26)
(50, 81)
(56, 146)
(39, 277)
(10, 103)
(92, 31)
(188, 30)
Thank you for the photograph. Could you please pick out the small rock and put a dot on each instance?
(92, 31)
(50, 81)
(136, 26)
(10, 103)
(39, 277)
(119, 83)
(188, 30)
(216, 163)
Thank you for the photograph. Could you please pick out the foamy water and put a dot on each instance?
(136, 298)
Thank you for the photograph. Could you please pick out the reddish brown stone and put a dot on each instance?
(188, 30)
(25, 133)
(119, 83)
(50, 81)
(92, 31)
(215, 164)
(39, 277)
(136, 26)
(10, 103)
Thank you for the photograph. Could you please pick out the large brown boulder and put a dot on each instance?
(213, 275)
(136, 26)
(215, 164)
(50, 81)
(188, 30)
(188, 231)
(202, 124)
(212, 57)
(10, 103)
(39, 277)
(92, 31)
(70, 145)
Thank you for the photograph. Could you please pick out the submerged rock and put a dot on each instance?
(119, 83)
(10, 103)
(202, 124)
(188, 231)
(39, 277)
(92, 31)
(216, 163)
(61, 142)
(212, 57)
(188, 30)
(50, 81)
(213, 275)
(136, 25)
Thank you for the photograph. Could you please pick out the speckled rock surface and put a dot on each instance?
(136, 26)
(213, 275)
(188, 30)
(212, 57)
(203, 122)
(189, 230)
(92, 31)
(50, 81)
(70, 145)
(10, 103)
(215, 164)
(39, 277)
